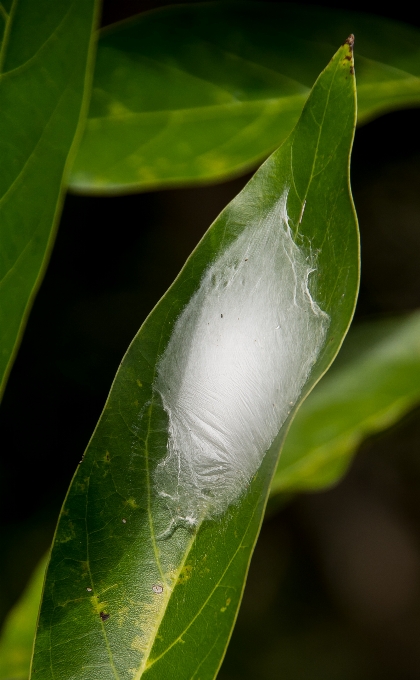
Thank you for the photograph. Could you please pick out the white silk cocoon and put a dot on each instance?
(238, 358)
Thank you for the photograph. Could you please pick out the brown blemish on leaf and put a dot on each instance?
(349, 57)
(350, 41)
(104, 616)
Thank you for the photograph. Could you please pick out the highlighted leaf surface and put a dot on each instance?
(202, 92)
(123, 597)
(44, 59)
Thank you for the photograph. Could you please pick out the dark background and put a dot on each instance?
(334, 587)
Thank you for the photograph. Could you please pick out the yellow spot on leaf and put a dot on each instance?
(98, 607)
(118, 110)
(184, 574)
(145, 174)
(132, 503)
(228, 601)
(139, 383)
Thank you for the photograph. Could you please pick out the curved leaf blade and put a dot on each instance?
(382, 361)
(45, 64)
(123, 599)
(203, 92)
(374, 382)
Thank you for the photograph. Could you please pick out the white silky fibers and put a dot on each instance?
(238, 358)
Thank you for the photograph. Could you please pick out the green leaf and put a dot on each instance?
(17, 636)
(203, 92)
(45, 64)
(377, 372)
(373, 383)
(128, 594)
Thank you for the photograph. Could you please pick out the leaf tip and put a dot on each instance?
(349, 57)
(350, 41)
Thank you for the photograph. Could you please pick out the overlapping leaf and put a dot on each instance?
(17, 636)
(44, 79)
(123, 598)
(205, 91)
(373, 383)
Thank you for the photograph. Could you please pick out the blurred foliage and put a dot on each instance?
(201, 92)
(17, 637)
(373, 383)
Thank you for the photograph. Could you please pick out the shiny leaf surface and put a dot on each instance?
(45, 65)
(202, 92)
(373, 382)
(124, 597)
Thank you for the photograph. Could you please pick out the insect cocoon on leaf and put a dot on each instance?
(237, 360)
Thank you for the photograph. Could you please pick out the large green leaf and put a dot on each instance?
(17, 636)
(205, 91)
(45, 73)
(128, 594)
(373, 383)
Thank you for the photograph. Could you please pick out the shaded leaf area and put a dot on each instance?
(205, 91)
(17, 637)
(43, 60)
(123, 599)
(373, 383)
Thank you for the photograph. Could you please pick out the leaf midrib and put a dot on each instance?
(146, 663)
